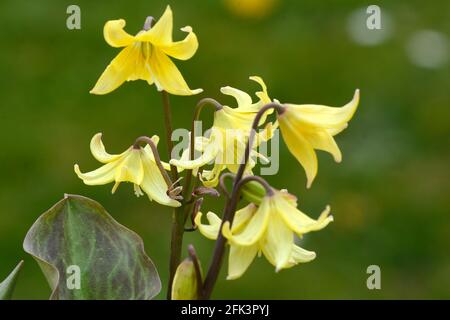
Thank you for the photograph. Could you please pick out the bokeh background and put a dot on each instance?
(389, 196)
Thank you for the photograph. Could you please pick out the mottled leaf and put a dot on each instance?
(7, 286)
(77, 237)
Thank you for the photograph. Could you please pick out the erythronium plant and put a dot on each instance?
(257, 219)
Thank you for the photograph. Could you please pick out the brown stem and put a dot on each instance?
(155, 155)
(169, 129)
(231, 205)
(198, 109)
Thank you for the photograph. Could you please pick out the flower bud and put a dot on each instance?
(185, 283)
(253, 192)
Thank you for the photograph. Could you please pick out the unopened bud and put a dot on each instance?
(253, 192)
(202, 191)
(185, 282)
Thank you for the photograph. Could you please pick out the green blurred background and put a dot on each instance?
(389, 196)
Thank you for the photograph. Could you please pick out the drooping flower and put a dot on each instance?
(268, 228)
(307, 127)
(146, 57)
(226, 143)
(135, 165)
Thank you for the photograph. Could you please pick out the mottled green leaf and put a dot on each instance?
(77, 234)
(7, 286)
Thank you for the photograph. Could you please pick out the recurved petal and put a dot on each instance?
(210, 178)
(210, 230)
(299, 255)
(99, 152)
(299, 147)
(184, 49)
(209, 154)
(262, 95)
(161, 32)
(114, 34)
(242, 98)
(324, 116)
(154, 184)
(129, 64)
(255, 228)
(240, 259)
(103, 175)
(299, 222)
(277, 242)
(167, 76)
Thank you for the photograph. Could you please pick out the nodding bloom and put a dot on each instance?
(146, 56)
(226, 143)
(307, 127)
(136, 165)
(268, 229)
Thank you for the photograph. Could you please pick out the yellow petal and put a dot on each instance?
(184, 49)
(299, 255)
(322, 140)
(299, 222)
(208, 155)
(131, 169)
(161, 32)
(103, 175)
(210, 230)
(255, 228)
(210, 178)
(114, 34)
(277, 242)
(99, 152)
(262, 95)
(299, 147)
(324, 116)
(243, 99)
(154, 184)
(149, 153)
(240, 259)
(242, 217)
(130, 64)
(167, 76)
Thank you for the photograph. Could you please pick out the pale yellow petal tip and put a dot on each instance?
(309, 183)
(76, 168)
(98, 92)
(174, 204)
(226, 232)
(356, 96)
(187, 29)
(233, 276)
(198, 219)
(155, 139)
(225, 89)
(196, 91)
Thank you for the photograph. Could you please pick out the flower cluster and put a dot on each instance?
(270, 224)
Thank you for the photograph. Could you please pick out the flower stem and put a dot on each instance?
(169, 130)
(198, 109)
(176, 242)
(231, 205)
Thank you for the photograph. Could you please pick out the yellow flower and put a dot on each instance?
(135, 165)
(268, 229)
(308, 127)
(226, 143)
(146, 57)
